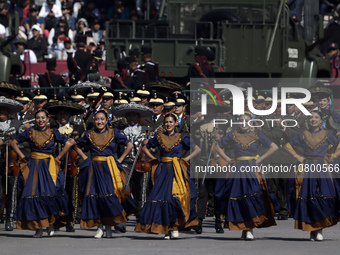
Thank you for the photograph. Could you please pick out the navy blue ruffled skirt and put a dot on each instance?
(245, 200)
(41, 203)
(163, 210)
(313, 199)
(100, 202)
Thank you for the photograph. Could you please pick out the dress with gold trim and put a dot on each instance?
(245, 198)
(102, 180)
(43, 200)
(171, 202)
(312, 192)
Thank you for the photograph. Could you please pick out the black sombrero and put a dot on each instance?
(123, 109)
(54, 107)
(9, 88)
(165, 84)
(84, 87)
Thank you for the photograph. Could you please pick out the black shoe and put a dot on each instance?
(70, 228)
(219, 230)
(198, 229)
(121, 227)
(9, 226)
(282, 217)
(77, 221)
(226, 225)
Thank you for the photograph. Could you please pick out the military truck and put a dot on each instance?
(251, 38)
(10, 63)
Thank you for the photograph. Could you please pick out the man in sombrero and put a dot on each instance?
(136, 133)
(8, 130)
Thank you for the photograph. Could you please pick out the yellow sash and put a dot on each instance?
(248, 157)
(116, 177)
(178, 186)
(52, 167)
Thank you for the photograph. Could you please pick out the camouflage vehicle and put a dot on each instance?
(251, 38)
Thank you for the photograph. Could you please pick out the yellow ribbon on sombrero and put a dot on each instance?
(178, 186)
(53, 169)
(116, 177)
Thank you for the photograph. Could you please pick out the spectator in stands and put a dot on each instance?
(33, 19)
(97, 34)
(58, 3)
(296, 7)
(58, 35)
(119, 11)
(21, 49)
(4, 15)
(67, 13)
(23, 9)
(86, 13)
(331, 32)
(51, 12)
(67, 49)
(81, 28)
(327, 6)
(38, 43)
(76, 5)
(92, 8)
(50, 7)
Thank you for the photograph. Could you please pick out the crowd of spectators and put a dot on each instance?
(329, 44)
(51, 27)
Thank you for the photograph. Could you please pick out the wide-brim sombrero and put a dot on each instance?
(142, 110)
(12, 105)
(165, 84)
(54, 107)
(9, 88)
(83, 87)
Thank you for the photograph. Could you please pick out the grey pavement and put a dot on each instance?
(280, 239)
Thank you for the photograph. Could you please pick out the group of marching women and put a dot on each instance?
(244, 198)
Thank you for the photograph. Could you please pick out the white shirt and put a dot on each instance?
(2, 29)
(157, 117)
(67, 125)
(45, 10)
(32, 57)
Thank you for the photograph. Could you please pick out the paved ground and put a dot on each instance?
(281, 239)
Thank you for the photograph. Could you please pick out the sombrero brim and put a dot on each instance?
(165, 85)
(10, 88)
(84, 86)
(142, 110)
(55, 107)
(12, 105)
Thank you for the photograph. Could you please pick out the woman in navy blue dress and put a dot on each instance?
(244, 195)
(43, 202)
(312, 193)
(102, 178)
(171, 202)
